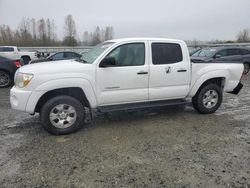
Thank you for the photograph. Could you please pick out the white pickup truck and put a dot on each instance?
(14, 53)
(117, 75)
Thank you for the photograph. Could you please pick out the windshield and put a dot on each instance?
(205, 52)
(94, 53)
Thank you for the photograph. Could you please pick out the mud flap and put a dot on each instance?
(237, 89)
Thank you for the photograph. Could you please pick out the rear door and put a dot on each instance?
(169, 71)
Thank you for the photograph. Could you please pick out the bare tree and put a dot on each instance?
(3, 34)
(195, 43)
(49, 33)
(24, 30)
(53, 31)
(96, 36)
(99, 35)
(243, 36)
(42, 31)
(109, 33)
(70, 31)
(34, 29)
(86, 38)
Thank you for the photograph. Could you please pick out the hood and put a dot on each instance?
(201, 59)
(64, 66)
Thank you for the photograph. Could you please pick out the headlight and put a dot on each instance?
(22, 79)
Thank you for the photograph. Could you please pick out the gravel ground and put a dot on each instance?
(163, 147)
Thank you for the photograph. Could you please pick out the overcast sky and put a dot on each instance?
(182, 19)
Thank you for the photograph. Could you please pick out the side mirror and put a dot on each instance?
(107, 62)
(217, 56)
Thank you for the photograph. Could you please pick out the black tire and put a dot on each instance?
(200, 96)
(46, 112)
(6, 79)
(26, 60)
(246, 68)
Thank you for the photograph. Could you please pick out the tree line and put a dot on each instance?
(43, 32)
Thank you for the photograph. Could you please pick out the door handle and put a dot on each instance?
(142, 72)
(168, 70)
(182, 70)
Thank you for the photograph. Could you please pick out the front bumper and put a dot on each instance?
(237, 89)
(19, 98)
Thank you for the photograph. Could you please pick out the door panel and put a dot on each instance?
(170, 79)
(127, 81)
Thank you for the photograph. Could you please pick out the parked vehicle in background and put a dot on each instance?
(12, 52)
(121, 74)
(58, 56)
(8, 68)
(224, 54)
(193, 50)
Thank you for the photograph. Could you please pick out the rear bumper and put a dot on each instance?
(237, 89)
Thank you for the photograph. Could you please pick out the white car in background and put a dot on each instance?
(13, 52)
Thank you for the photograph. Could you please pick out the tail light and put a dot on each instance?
(17, 63)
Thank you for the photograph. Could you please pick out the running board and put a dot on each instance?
(140, 105)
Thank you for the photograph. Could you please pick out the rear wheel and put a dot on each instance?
(246, 68)
(208, 99)
(5, 79)
(62, 115)
(26, 60)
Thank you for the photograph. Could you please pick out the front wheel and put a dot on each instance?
(62, 115)
(208, 99)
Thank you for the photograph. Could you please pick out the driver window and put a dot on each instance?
(58, 56)
(129, 54)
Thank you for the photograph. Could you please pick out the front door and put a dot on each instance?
(127, 80)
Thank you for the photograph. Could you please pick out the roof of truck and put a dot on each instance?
(144, 39)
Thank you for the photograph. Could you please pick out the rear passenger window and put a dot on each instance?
(231, 52)
(244, 52)
(166, 53)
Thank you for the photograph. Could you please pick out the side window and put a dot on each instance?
(58, 56)
(244, 52)
(129, 54)
(166, 53)
(69, 55)
(222, 53)
(6, 49)
(231, 52)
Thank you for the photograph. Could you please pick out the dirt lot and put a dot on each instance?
(164, 147)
